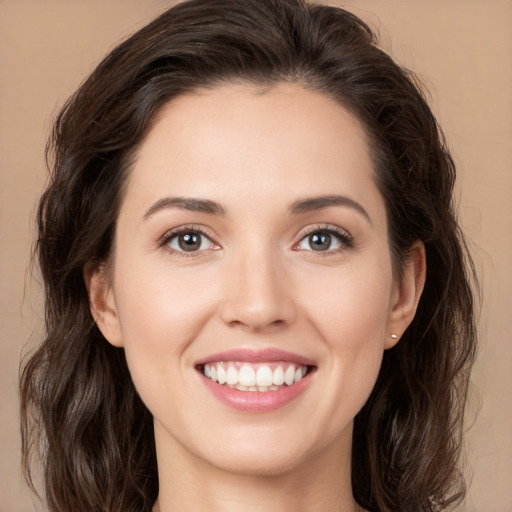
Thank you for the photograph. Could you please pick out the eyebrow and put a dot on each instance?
(317, 203)
(296, 208)
(186, 203)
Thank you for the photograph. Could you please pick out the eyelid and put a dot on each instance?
(346, 239)
(166, 238)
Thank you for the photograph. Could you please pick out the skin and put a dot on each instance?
(256, 283)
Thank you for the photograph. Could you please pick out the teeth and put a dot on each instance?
(289, 375)
(232, 375)
(221, 375)
(213, 373)
(247, 376)
(260, 377)
(278, 379)
(264, 376)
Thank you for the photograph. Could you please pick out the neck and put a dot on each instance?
(321, 483)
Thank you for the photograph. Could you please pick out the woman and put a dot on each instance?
(256, 289)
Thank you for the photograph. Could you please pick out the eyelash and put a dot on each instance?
(170, 235)
(346, 240)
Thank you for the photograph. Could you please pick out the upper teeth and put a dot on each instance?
(248, 377)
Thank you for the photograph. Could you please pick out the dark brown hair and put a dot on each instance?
(80, 411)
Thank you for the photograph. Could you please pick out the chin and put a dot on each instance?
(276, 452)
(261, 463)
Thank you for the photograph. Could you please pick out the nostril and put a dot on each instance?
(258, 325)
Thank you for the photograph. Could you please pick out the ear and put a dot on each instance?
(407, 294)
(102, 302)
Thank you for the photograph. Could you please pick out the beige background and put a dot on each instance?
(462, 50)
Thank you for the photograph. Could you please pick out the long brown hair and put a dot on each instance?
(80, 412)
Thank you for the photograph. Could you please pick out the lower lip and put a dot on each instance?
(256, 401)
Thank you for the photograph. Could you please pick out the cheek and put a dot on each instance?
(351, 317)
(161, 305)
(160, 315)
(352, 307)
(354, 329)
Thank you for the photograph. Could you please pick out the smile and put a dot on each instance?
(256, 381)
(262, 377)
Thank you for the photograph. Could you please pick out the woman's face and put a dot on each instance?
(252, 249)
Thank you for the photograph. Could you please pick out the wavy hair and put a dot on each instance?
(80, 413)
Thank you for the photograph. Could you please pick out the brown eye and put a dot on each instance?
(332, 239)
(320, 241)
(189, 241)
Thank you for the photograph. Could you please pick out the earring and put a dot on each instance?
(394, 336)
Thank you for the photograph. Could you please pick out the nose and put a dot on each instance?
(258, 293)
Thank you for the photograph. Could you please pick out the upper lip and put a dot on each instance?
(256, 356)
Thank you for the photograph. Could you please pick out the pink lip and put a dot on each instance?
(257, 356)
(256, 401)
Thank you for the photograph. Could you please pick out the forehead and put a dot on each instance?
(240, 141)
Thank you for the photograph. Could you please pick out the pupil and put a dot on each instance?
(189, 242)
(320, 241)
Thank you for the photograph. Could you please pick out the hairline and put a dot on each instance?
(261, 85)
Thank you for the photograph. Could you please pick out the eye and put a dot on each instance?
(188, 241)
(325, 240)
